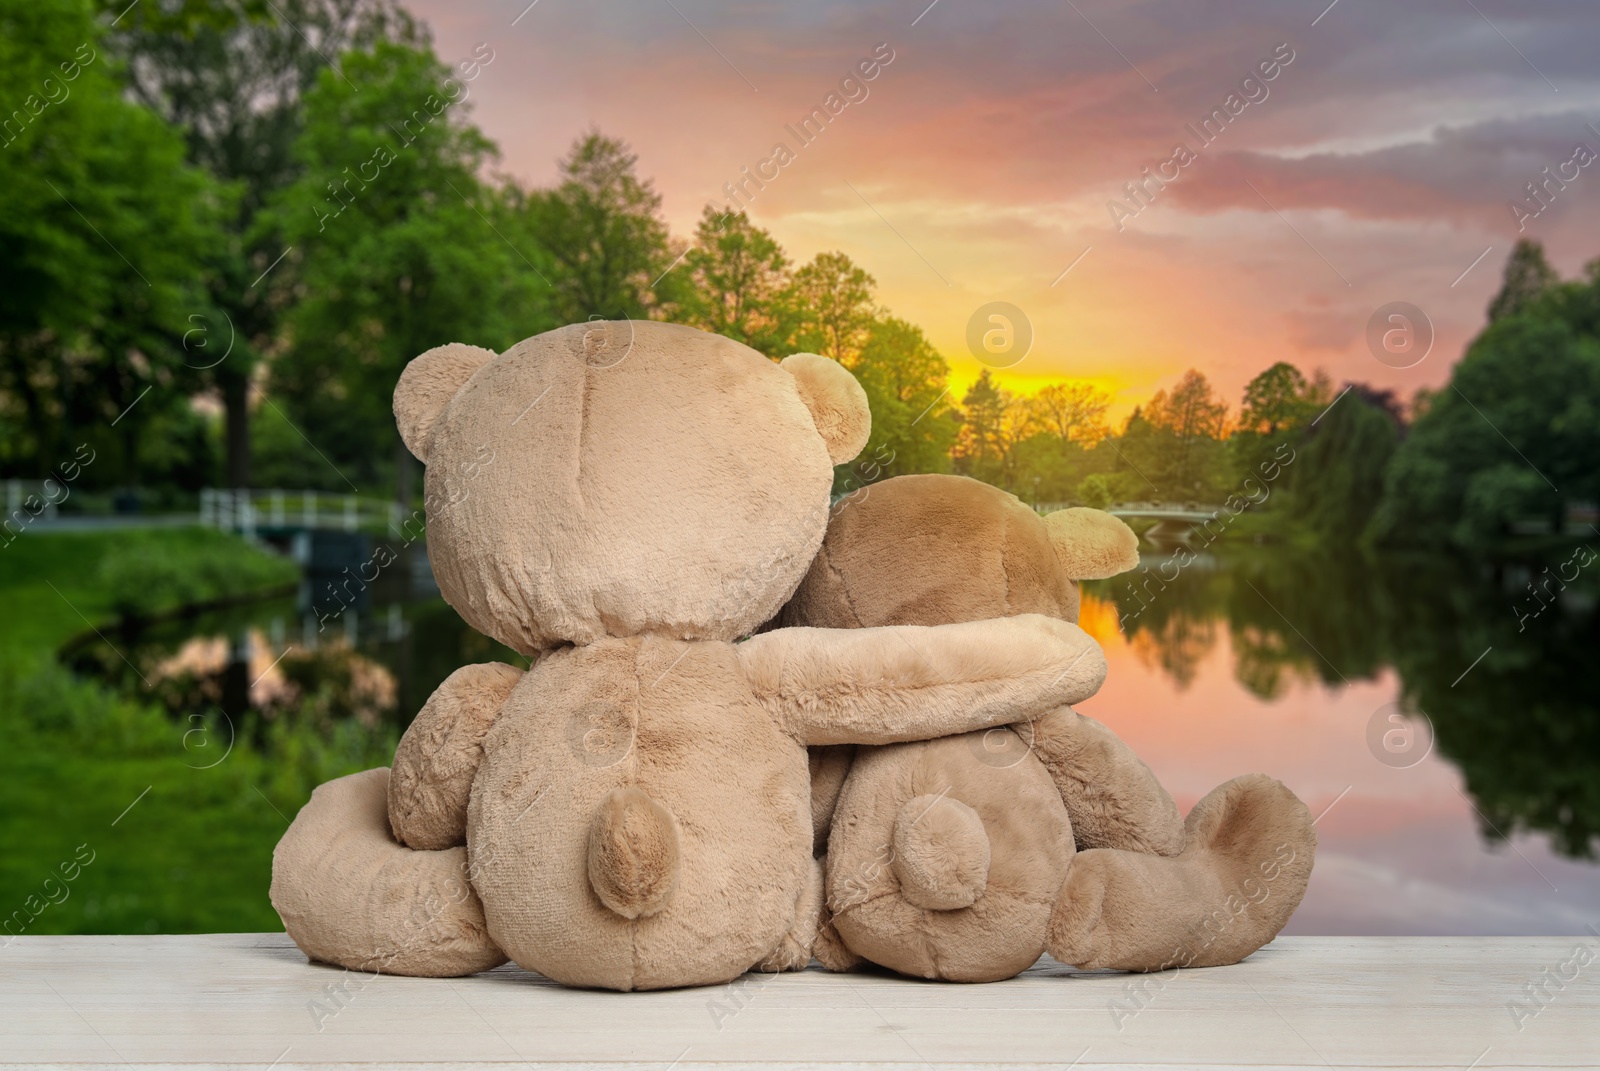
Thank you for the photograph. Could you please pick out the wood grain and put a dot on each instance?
(251, 1000)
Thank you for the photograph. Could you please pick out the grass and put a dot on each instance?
(113, 825)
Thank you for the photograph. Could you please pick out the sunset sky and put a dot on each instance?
(1377, 165)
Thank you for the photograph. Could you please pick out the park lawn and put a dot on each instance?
(193, 854)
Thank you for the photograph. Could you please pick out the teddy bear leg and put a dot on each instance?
(829, 948)
(1113, 798)
(350, 895)
(1249, 847)
(829, 765)
(810, 914)
(944, 859)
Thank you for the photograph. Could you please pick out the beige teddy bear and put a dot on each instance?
(955, 858)
(622, 503)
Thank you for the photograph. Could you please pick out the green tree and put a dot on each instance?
(1527, 277)
(102, 231)
(737, 274)
(995, 423)
(1515, 436)
(1095, 491)
(905, 380)
(1274, 400)
(1174, 441)
(830, 306)
(1335, 479)
(397, 250)
(1278, 406)
(602, 230)
(231, 78)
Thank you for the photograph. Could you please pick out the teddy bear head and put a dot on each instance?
(935, 549)
(624, 477)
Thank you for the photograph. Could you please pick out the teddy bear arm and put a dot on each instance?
(431, 780)
(911, 682)
(1112, 797)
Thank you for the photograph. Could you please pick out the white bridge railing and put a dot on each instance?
(245, 511)
(32, 498)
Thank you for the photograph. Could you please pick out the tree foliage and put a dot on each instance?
(1174, 443)
(1527, 277)
(601, 228)
(1513, 438)
(830, 301)
(737, 276)
(103, 229)
(397, 251)
(231, 78)
(905, 380)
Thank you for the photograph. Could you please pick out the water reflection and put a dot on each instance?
(1292, 663)
(1265, 659)
(342, 649)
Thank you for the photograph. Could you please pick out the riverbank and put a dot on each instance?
(164, 824)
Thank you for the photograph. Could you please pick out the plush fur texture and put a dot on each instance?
(829, 765)
(350, 894)
(682, 489)
(1091, 544)
(836, 401)
(941, 853)
(1023, 853)
(440, 754)
(1114, 799)
(914, 682)
(930, 550)
(1249, 847)
(794, 950)
(633, 853)
(950, 858)
(639, 813)
(426, 386)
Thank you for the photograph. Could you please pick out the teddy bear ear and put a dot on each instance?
(838, 404)
(1091, 544)
(426, 387)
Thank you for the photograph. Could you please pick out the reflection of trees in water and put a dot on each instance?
(1170, 623)
(1265, 663)
(1522, 726)
(1176, 646)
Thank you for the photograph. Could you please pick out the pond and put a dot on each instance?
(1439, 718)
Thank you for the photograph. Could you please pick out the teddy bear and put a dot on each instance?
(625, 503)
(964, 858)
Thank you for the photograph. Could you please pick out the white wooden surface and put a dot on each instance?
(251, 1000)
